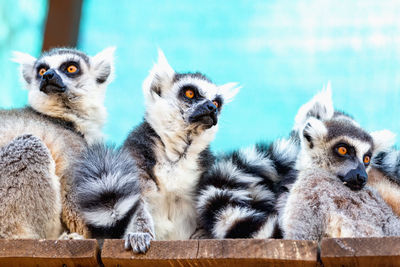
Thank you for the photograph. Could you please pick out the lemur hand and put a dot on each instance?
(139, 242)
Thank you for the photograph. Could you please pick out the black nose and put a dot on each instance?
(52, 83)
(355, 179)
(48, 75)
(205, 113)
(211, 107)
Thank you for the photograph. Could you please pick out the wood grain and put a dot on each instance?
(382, 251)
(23, 252)
(228, 252)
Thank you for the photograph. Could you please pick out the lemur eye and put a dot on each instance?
(72, 69)
(215, 102)
(189, 93)
(367, 159)
(342, 150)
(42, 71)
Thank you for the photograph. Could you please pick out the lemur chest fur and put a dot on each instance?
(345, 213)
(172, 203)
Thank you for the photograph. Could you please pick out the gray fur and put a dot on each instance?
(319, 204)
(30, 203)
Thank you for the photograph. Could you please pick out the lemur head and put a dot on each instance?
(183, 104)
(68, 84)
(334, 142)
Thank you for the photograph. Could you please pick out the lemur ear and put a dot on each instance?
(26, 62)
(319, 107)
(160, 76)
(313, 131)
(103, 65)
(383, 140)
(229, 91)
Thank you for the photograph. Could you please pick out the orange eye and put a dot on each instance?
(42, 71)
(72, 69)
(367, 159)
(189, 93)
(342, 150)
(215, 102)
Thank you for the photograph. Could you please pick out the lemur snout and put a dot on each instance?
(355, 179)
(52, 83)
(206, 113)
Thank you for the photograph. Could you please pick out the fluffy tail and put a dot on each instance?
(237, 195)
(388, 162)
(107, 189)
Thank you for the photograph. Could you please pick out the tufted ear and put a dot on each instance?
(383, 140)
(160, 77)
(313, 131)
(319, 107)
(27, 63)
(103, 65)
(229, 91)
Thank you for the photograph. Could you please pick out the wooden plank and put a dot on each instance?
(29, 252)
(62, 24)
(228, 252)
(375, 251)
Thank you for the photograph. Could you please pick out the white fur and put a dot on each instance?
(253, 157)
(320, 104)
(86, 102)
(107, 217)
(268, 228)
(383, 140)
(227, 217)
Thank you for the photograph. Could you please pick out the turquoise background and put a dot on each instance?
(281, 52)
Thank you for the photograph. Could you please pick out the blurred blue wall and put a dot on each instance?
(21, 29)
(281, 52)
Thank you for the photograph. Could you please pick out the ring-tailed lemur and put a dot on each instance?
(241, 194)
(329, 197)
(171, 146)
(66, 92)
(170, 150)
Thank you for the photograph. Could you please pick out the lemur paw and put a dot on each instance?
(139, 242)
(200, 234)
(70, 236)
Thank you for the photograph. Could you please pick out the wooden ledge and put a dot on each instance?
(29, 252)
(375, 251)
(228, 252)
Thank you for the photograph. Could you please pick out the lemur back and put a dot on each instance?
(65, 112)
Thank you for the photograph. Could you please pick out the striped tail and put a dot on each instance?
(107, 190)
(388, 162)
(237, 196)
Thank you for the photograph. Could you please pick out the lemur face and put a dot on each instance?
(190, 101)
(341, 147)
(65, 77)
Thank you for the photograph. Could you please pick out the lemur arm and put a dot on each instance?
(140, 230)
(302, 218)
